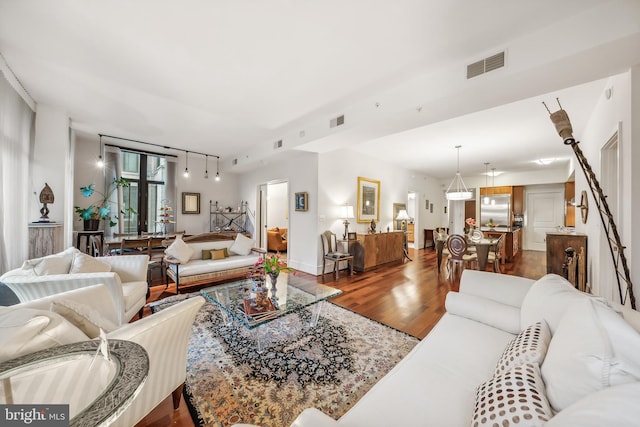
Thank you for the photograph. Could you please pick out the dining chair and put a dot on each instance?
(331, 253)
(495, 255)
(458, 256)
(142, 246)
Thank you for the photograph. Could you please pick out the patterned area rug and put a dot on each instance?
(329, 366)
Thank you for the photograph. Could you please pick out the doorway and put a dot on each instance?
(544, 214)
(610, 183)
(273, 210)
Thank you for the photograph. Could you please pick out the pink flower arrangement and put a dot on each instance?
(272, 264)
(471, 222)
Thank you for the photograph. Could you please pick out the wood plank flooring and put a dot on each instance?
(407, 296)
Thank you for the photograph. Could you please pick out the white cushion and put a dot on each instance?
(83, 263)
(52, 264)
(179, 250)
(614, 406)
(513, 398)
(83, 317)
(242, 245)
(27, 330)
(529, 346)
(581, 358)
(548, 299)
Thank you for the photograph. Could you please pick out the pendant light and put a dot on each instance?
(100, 162)
(206, 167)
(186, 169)
(217, 168)
(485, 200)
(457, 190)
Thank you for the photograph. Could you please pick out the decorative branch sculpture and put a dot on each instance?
(562, 123)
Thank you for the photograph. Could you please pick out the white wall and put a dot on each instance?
(301, 171)
(604, 121)
(51, 164)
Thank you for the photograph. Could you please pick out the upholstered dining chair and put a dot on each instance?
(495, 256)
(331, 254)
(458, 256)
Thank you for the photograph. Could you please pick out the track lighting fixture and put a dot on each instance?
(217, 168)
(186, 169)
(206, 167)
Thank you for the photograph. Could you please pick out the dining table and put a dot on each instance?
(483, 247)
(114, 242)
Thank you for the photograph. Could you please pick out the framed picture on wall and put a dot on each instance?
(302, 201)
(190, 203)
(368, 200)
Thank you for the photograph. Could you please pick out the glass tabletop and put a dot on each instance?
(239, 299)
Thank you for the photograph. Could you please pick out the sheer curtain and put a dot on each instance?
(16, 133)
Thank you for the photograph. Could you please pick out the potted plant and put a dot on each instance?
(92, 214)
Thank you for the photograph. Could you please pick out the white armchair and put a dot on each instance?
(164, 335)
(127, 279)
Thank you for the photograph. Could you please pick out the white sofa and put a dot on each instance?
(164, 335)
(191, 260)
(126, 277)
(589, 362)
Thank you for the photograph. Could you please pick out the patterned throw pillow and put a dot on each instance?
(218, 254)
(529, 346)
(514, 398)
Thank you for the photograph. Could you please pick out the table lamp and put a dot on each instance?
(404, 217)
(346, 212)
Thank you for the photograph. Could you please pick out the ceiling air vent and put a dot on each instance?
(277, 144)
(338, 121)
(485, 65)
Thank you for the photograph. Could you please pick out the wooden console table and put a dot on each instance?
(373, 250)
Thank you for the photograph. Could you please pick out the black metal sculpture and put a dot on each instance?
(562, 123)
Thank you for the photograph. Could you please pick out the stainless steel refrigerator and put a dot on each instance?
(496, 209)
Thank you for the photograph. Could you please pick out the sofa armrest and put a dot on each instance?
(165, 337)
(502, 288)
(28, 288)
(489, 312)
(130, 268)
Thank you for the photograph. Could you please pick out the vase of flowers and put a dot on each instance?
(92, 214)
(271, 266)
(471, 224)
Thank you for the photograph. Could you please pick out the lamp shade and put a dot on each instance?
(402, 215)
(346, 212)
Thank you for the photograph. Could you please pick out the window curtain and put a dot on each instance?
(16, 136)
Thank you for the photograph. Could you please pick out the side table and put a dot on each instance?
(99, 235)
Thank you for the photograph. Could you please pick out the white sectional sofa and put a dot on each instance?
(125, 276)
(37, 324)
(572, 359)
(194, 259)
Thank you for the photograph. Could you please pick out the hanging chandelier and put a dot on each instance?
(457, 190)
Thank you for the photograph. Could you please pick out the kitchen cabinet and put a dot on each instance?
(373, 250)
(512, 241)
(517, 197)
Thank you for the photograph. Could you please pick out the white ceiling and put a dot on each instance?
(230, 77)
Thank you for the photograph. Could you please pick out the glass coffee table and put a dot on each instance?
(238, 301)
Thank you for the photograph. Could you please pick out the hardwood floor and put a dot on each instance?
(408, 296)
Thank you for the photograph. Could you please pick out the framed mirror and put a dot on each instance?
(190, 203)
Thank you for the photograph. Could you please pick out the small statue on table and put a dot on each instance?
(372, 227)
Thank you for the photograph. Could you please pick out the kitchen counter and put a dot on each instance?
(512, 240)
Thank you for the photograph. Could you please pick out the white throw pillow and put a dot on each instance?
(59, 263)
(548, 299)
(513, 398)
(179, 250)
(84, 317)
(614, 406)
(27, 330)
(242, 245)
(83, 263)
(581, 358)
(529, 346)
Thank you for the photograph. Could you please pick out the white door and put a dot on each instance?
(545, 212)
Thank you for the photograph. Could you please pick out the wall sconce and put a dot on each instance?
(346, 212)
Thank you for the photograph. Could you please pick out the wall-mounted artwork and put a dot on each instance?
(368, 200)
(190, 203)
(302, 201)
(431, 208)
